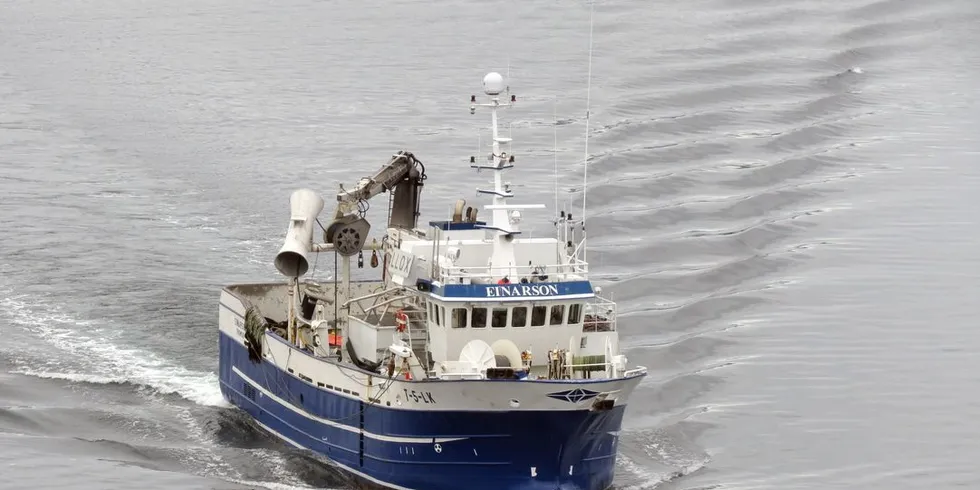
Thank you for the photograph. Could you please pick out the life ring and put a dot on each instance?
(401, 320)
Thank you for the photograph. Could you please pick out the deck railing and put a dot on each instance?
(491, 273)
(600, 315)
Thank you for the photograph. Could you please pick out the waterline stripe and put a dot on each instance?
(349, 428)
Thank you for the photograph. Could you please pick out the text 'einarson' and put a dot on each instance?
(522, 290)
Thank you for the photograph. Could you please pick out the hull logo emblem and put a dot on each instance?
(574, 396)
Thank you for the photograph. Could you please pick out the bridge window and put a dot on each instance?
(574, 314)
(443, 319)
(435, 309)
(538, 315)
(479, 317)
(499, 319)
(597, 323)
(557, 314)
(459, 317)
(519, 317)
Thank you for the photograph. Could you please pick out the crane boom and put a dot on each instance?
(391, 174)
(403, 176)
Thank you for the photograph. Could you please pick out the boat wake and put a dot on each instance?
(94, 357)
(195, 390)
(270, 485)
(649, 459)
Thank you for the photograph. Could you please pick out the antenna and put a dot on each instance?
(510, 39)
(556, 159)
(588, 116)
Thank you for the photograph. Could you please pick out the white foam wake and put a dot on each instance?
(653, 457)
(650, 478)
(94, 358)
(272, 485)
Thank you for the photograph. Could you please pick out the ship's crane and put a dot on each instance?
(347, 233)
(403, 175)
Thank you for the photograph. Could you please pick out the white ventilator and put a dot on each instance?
(292, 261)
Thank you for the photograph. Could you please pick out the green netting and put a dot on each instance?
(599, 359)
(255, 326)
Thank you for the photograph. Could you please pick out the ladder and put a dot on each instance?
(417, 337)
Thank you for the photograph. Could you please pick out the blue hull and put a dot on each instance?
(525, 450)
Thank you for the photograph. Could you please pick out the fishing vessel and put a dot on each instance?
(463, 355)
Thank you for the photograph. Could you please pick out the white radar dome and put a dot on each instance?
(493, 83)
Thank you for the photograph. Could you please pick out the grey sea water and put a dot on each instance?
(780, 196)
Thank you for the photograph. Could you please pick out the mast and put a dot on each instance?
(505, 218)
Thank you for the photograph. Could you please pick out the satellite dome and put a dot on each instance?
(493, 83)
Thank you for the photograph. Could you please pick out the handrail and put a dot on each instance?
(369, 296)
(574, 266)
(636, 370)
(599, 315)
(571, 368)
(588, 364)
(386, 302)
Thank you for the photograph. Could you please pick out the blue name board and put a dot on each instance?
(515, 291)
(510, 290)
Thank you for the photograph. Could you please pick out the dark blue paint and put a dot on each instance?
(450, 226)
(497, 452)
(480, 290)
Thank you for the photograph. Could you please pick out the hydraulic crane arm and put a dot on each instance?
(391, 174)
(403, 176)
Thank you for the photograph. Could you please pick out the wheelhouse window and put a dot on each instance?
(479, 317)
(597, 323)
(538, 315)
(459, 318)
(574, 314)
(557, 314)
(518, 317)
(499, 319)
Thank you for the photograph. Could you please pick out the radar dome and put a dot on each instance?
(493, 83)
